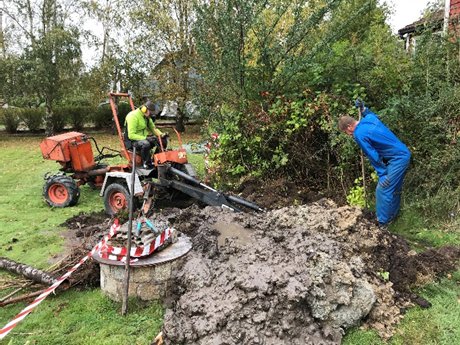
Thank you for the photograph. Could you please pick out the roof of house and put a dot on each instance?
(434, 20)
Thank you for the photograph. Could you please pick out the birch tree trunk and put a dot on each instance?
(27, 271)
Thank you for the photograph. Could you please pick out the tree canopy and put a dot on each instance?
(271, 76)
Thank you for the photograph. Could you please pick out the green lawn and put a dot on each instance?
(80, 318)
(30, 233)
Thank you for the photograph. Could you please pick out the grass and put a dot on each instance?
(24, 217)
(30, 233)
(425, 233)
(86, 318)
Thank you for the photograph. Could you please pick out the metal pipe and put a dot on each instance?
(183, 175)
(124, 307)
(98, 171)
(244, 202)
(229, 197)
(190, 178)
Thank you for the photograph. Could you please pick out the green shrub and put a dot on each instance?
(296, 137)
(77, 116)
(103, 117)
(59, 120)
(10, 119)
(355, 196)
(33, 118)
(430, 127)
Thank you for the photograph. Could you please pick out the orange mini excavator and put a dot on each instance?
(172, 177)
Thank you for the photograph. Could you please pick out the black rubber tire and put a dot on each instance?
(61, 191)
(117, 198)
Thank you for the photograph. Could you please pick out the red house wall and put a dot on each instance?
(454, 8)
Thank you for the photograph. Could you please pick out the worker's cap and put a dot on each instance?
(150, 106)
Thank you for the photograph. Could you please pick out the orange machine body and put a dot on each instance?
(69, 148)
(176, 156)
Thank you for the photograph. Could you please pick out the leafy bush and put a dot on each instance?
(58, 120)
(296, 137)
(427, 119)
(32, 117)
(430, 126)
(103, 117)
(10, 119)
(77, 116)
(355, 196)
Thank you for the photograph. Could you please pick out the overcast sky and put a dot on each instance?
(406, 12)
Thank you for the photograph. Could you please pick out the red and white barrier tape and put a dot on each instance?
(119, 253)
(26, 311)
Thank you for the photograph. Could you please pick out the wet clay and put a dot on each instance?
(293, 275)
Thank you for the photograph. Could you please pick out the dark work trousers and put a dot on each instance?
(146, 145)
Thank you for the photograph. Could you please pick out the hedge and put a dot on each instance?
(64, 117)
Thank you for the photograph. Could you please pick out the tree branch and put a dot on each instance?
(31, 36)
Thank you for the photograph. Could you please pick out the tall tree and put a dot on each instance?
(111, 15)
(165, 36)
(249, 47)
(2, 34)
(121, 62)
(51, 55)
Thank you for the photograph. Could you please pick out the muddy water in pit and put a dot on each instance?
(233, 231)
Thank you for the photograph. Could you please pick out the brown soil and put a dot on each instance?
(84, 232)
(293, 275)
(277, 193)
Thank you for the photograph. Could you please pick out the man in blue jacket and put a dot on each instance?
(387, 154)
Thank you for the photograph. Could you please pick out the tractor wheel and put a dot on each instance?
(61, 191)
(116, 198)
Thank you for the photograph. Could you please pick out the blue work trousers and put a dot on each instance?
(388, 191)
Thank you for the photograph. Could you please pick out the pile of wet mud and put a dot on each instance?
(295, 275)
(83, 232)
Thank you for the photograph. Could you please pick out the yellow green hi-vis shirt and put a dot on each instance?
(139, 126)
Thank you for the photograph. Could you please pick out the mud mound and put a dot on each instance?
(296, 275)
(83, 232)
(408, 269)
